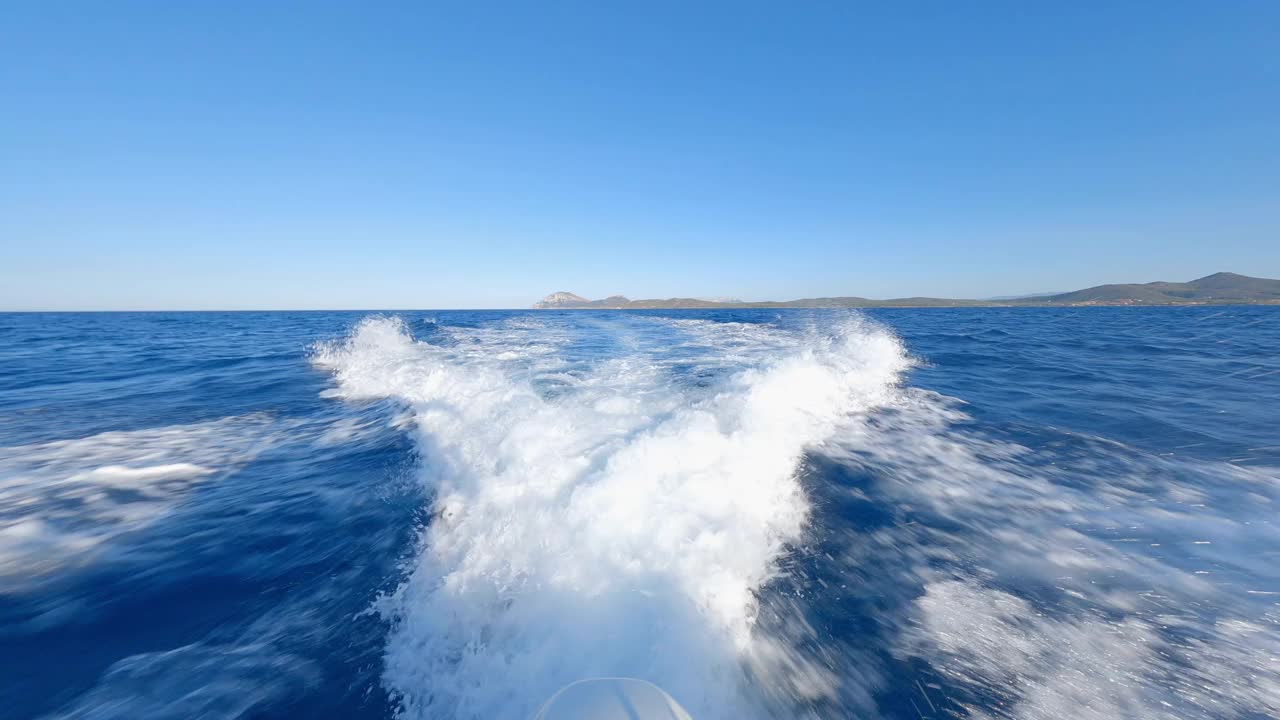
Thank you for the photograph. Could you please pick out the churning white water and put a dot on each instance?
(604, 519)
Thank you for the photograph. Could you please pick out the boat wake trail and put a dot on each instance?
(606, 518)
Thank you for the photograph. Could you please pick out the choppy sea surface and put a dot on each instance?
(925, 513)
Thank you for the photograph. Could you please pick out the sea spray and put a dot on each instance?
(620, 528)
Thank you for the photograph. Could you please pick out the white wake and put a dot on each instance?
(618, 525)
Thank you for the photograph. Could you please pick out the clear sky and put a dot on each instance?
(430, 155)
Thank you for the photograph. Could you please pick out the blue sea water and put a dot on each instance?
(923, 513)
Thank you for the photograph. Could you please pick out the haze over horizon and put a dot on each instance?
(240, 157)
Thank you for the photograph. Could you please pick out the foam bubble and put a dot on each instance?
(619, 526)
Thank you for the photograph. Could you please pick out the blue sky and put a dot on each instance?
(432, 155)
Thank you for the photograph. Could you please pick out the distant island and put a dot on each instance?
(1222, 288)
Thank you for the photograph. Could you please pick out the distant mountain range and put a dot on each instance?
(1222, 288)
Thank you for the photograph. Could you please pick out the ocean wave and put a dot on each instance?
(1084, 579)
(770, 514)
(61, 501)
(621, 528)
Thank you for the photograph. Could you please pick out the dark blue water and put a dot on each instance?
(1012, 513)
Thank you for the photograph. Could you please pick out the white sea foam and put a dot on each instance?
(620, 517)
(621, 526)
(1090, 666)
(194, 681)
(1041, 589)
(61, 500)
